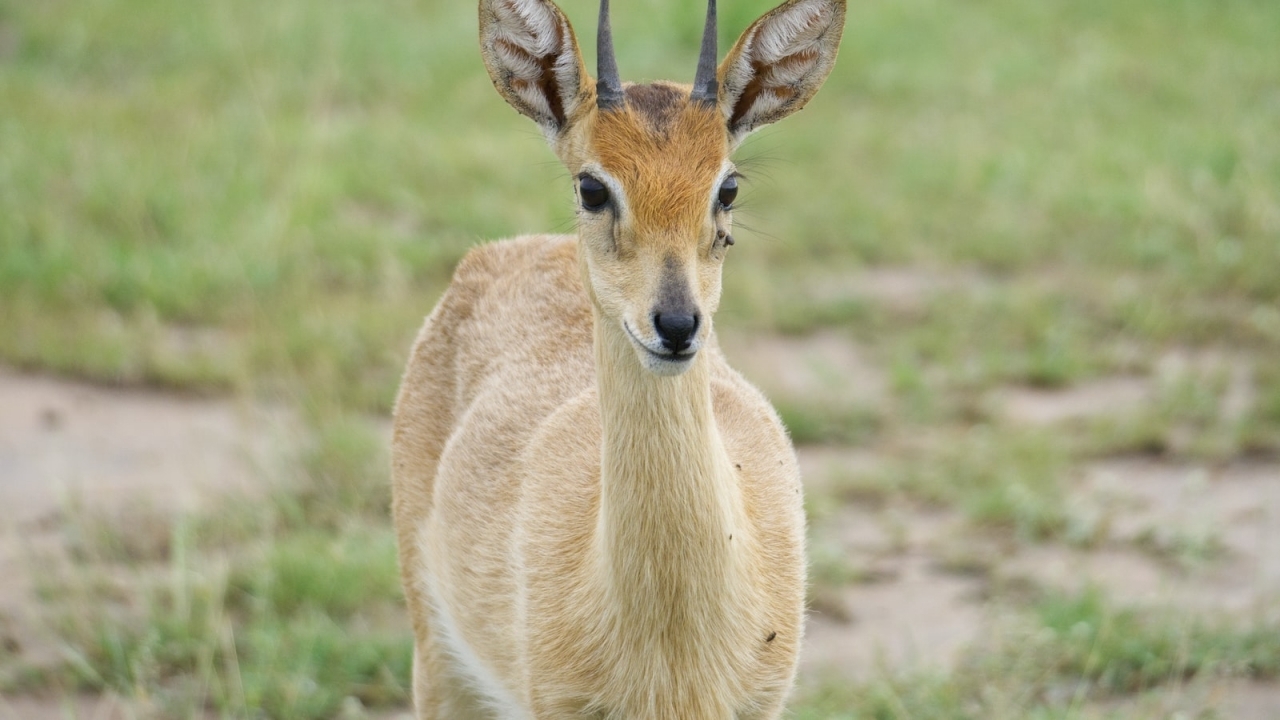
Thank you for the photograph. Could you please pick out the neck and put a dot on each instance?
(670, 501)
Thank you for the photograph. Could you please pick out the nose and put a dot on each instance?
(676, 330)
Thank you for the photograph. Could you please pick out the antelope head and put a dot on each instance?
(651, 164)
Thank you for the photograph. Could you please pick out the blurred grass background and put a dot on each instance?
(264, 199)
(232, 194)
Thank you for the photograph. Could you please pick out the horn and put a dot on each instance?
(608, 84)
(705, 88)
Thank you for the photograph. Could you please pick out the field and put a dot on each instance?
(1012, 280)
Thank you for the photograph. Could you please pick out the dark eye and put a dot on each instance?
(593, 193)
(728, 192)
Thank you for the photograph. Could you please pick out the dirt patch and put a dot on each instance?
(823, 466)
(1197, 537)
(1201, 538)
(901, 289)
(1229, 378)
(71, 448)
(1099, 398)
(1251, 701)
(1213, 698)
(827, 367)
(904, 610)
(918, 620)
(1235, 506)
(68, 708)
(65, 442)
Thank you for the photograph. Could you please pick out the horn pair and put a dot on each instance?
(609, 85)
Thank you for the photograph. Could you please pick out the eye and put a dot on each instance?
(593, 193)
(728, 192)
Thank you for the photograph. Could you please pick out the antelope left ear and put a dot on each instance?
(779, 63)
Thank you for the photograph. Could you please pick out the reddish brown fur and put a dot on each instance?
(668, 171)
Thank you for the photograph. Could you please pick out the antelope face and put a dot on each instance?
(652, 175)
(654, 189)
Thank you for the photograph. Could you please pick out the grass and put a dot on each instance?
(1124, 650)
(271, 181)
(266, 199)
(817, 422)
(999, 478)
(282, 618)
(1057, 661)
(1190, 416)
(300, 650)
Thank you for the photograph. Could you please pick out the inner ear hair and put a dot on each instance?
(532, 57)
(779, 63)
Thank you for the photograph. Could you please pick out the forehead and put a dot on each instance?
(666, 152)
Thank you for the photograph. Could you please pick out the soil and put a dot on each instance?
(70, 448)
(1204, 537)
(1039, 406)
(826, 365)
(72, 708)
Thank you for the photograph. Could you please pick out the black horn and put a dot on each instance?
(705, 88)
(608, 84)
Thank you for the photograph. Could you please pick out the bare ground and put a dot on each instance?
(67, 448)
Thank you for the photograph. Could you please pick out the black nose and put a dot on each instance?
(676, 330)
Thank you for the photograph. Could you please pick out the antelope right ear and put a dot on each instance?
(533, 59)
(779, 63)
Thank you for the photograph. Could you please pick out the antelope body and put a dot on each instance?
(596, 516)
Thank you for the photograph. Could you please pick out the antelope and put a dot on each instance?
(596, 516)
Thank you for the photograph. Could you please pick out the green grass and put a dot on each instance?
(287, 183)
(188, 649)
(812, 421)
(282, 619)
(266, 198)
(1053, 662)
(1122, 650)
(285, 604)
(1000, 479)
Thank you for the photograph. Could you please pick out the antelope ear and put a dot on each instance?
(779, 63)
(533, 59)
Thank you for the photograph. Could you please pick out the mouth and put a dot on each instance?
(662, 361)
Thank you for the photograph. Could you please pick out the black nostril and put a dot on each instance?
(676, 330)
